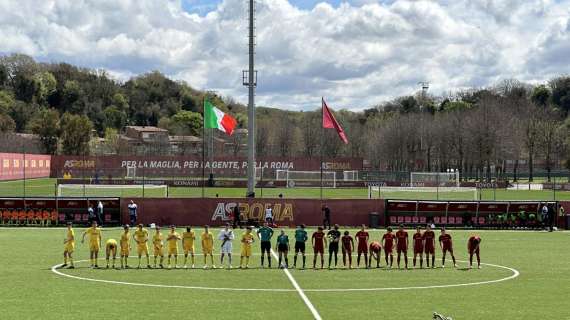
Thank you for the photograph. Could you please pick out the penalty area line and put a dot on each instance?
(300, 291)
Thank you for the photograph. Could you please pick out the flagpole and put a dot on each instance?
(203, 144)
(322, 146)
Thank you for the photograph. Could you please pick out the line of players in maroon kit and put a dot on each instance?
(422, 243)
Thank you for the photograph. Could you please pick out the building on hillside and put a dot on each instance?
(145, 140)
(185, 145)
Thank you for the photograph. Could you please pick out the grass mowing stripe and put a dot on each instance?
(306, 300)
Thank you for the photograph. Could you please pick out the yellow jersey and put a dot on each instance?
(247, 239)
(70, 239)
(141, 235)
(157, 240)
(188, 239)
(125, 240)
(207, 240)
(172, 239)
(94, 235)
(111, 243)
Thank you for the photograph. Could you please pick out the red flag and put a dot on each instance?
(329, 122)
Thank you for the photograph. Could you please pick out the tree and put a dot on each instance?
(75, 134)
(18, 64)
(310, 132)
(26, 88)
(262, 137)
(187, 122)
(3, 76)
(45, 123)
(22, 112)
(530, 123)
(47, 86)
(114, 118)
(112, 142)
(6, 101)
(120, 101)
(71, 96)
(540, 96)
(6, 123)
(561, 93)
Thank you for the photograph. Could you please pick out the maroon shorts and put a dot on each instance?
(429, 250)
(319, 250)
(476, 251)
(450, 249)
(418, 250)
(345, 251)
(362, 249)
(388, 250)
(404, 250)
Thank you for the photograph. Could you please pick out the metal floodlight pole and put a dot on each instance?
(251, 84)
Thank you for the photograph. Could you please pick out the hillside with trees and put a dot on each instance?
(510, 125)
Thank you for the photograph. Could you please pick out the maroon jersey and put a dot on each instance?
(362, 237)
(402, 236)
(472, 243)
(445, 240)
(319, 240)
(418, 242)
(375, 246)
(388, 239)
(347, 243)
(429, 238)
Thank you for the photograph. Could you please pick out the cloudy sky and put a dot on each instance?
(355, 53)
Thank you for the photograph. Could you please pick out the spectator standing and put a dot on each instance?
(133, 212)
(237, 217)
(91, 214)
(100, 212)
(551, 217)
(327, 217)
(544, 215)
(269, 215)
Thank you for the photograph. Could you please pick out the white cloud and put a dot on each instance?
(355, 55)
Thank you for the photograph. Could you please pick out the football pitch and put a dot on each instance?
(47, 188)
(525, 276)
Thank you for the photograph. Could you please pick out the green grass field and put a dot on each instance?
(48, 188)
(31, 290)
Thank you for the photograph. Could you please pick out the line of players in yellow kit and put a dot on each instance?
(141, 238)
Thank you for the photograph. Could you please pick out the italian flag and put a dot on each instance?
(214, 118)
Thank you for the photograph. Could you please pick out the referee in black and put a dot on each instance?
(334, 239)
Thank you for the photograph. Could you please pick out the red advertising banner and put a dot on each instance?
(12, 166)
(217, 211)
(190, 166)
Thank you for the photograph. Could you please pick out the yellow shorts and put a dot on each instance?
(158, 251)
(188, 249)
(69, 248)
(125, 251)
(142, 248)
(207, 250)
(246, 251)
(94, 247)
(172, 250)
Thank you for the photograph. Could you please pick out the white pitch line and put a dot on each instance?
(308, 303)
(515, 273)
